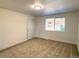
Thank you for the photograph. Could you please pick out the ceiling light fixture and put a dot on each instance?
(37, 5)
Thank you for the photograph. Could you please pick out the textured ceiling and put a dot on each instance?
(51, 6)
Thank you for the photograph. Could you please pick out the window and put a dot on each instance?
(50, 24)
(55, 24)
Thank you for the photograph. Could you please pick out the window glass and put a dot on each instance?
(60, 24)
(55, 24)
(50, 24)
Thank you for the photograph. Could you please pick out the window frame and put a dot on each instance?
(55, 25)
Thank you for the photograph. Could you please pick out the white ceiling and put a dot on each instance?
(51, 6)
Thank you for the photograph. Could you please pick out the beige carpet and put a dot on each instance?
(40, 48)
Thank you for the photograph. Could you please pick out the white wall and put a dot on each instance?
(31, 28)
(13, 28)
(70, 34)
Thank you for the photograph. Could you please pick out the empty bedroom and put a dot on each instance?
(39, 28)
